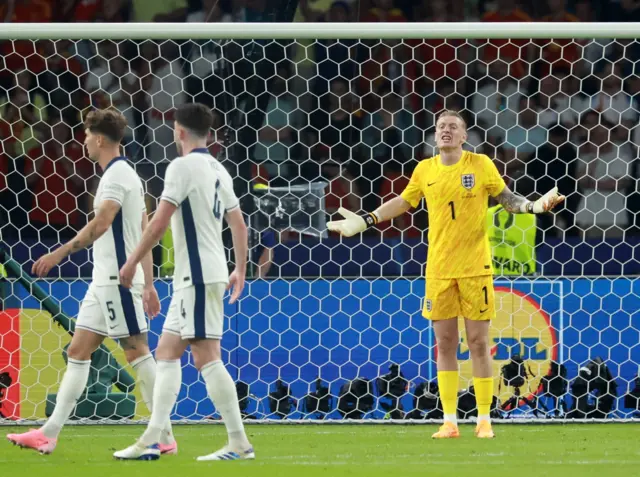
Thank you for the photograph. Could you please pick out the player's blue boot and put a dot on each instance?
(139, 452)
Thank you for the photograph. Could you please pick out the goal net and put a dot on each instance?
(330, 329)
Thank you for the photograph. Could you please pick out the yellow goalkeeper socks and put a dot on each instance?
(484, 396)
(448, 386)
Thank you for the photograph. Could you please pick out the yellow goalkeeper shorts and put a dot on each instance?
(471, 298)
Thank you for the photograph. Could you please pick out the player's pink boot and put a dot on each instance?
(168, 449)
(34, 439)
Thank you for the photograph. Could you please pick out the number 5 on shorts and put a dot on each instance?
(112, 312)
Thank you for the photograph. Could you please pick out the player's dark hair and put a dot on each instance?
(455, 114)
(195, 117)
(108, 122)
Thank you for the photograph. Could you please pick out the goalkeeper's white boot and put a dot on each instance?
(139, 451)
(229, 453)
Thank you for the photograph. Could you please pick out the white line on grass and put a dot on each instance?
(351, 459)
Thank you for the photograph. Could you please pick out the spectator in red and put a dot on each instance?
(439, 58)
(21, 54)
(26, 11)
(81, 11)
(57, 179)
(557, 53)
(389, 60)
(514, 52)
(383, 11)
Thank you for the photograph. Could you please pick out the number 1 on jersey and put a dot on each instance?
(453, 211)
(216, 202)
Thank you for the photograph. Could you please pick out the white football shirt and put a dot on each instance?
(119, 183)
(202, 189)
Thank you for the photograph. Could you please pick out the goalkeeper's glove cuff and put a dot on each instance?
(370, 219)
(527, 208)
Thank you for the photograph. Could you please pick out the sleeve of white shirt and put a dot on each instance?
(175, 184)
(115, 187)
(227, 195)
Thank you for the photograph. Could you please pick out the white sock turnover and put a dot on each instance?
(72, 386)
(222, 391)
(452, 418)
(165, 394)
(483, 417)
(145, 368)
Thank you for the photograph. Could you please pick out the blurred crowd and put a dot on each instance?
(356, 114)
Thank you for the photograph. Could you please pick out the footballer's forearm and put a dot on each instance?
(91, 232)
(240, 247)
(150, 237)
(95, 229)
(147, 268)
(153, 232)
(147, 261)
(513, 203)
(391, 209)
(239, 235)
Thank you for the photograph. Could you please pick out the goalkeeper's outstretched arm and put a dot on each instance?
(354, 224)
(516, 204)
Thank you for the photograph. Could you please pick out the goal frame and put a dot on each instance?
(318, 31)
(302, 31)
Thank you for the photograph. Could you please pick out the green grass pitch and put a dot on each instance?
(583, 450)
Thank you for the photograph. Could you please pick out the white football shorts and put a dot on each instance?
(113, 310)
(196, 312)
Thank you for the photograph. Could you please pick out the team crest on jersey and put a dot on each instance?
(468, 181)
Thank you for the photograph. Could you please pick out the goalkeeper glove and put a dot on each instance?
(544, 203)
(352, 223)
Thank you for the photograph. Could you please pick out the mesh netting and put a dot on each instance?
(331, 327)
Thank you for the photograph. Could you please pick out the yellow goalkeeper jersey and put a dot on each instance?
(457, 199)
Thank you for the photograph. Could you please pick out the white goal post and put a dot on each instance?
(310, 117)
(302, 31)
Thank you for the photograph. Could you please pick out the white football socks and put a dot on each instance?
(452, 418)
(72, 386)
(165, 394)
(483, 417)
(145, 368)
(222, 392)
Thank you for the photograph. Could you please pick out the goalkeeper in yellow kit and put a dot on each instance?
(459, 280)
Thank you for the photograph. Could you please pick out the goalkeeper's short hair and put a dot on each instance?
(455, 114)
